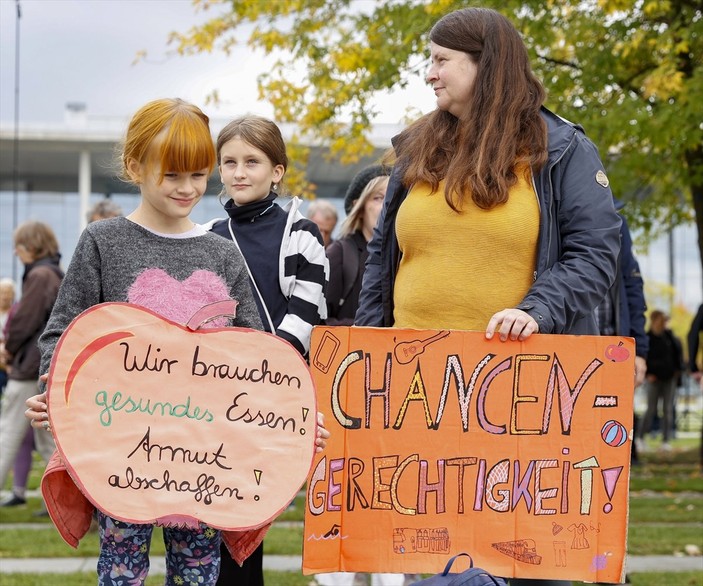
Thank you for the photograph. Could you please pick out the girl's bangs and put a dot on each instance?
(187, 147)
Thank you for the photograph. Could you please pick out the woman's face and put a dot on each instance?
(373, 205)
(23, 253)
(452, 75)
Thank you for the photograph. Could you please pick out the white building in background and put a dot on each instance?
(55, 172)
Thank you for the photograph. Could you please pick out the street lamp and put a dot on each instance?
(16, 139)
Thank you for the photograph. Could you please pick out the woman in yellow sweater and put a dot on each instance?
(498, 215)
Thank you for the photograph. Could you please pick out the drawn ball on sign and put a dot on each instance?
(614, 433)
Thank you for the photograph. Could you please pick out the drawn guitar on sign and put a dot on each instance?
(406, 351)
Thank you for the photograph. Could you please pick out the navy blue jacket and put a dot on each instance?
(694, 341)
(579, 239)
(627, 295)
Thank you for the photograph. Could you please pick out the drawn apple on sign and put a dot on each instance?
(616, 352)
(159, 422)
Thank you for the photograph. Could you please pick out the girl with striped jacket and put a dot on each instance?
(284, 251)
(288, 267)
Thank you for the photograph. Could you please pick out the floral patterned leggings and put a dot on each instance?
(192, 556)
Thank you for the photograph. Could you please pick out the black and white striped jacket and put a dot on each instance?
(303, 274)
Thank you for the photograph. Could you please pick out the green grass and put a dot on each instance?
(88, 579)
(24, 513)
(666, 514)
(666, 579)
(662, 479)
(284, 540)
(663, 539)
(665, 509)
(27, 543)
(297, 512)
(677, 471)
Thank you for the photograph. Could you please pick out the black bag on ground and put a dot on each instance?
(471, 577)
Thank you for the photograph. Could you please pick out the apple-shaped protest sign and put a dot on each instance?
(159, 422)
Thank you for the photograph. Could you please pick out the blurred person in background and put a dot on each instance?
(23, 460)
(348, 254)
(37, 248)
(694, 345)
(324, 214)
(664, 366)
(623, 313)
(7, 305)
(102, 210)
(694, 358)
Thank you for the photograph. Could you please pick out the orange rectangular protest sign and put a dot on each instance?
(445, 442)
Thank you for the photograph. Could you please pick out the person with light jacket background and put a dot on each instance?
(37, 248)
(283, 251)
(498, 215)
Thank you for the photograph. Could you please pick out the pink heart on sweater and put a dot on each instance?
(176, 300)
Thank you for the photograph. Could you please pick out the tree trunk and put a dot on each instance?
(694, 158)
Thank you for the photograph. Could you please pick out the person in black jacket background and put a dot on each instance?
(664, 366)
(694, 346)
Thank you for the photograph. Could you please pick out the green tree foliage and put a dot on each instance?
(629, 71)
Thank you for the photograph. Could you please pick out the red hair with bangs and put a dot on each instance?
(170, 133)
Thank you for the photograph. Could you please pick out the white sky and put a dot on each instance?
(83, 51)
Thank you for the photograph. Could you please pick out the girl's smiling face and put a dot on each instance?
(246, 172)
(167, 201)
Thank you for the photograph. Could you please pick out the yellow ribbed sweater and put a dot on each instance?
(458, 269)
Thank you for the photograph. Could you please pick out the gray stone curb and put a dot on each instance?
(284, 563)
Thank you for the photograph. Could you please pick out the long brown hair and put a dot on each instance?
(501, 127)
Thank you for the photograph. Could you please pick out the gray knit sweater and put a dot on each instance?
(118, 260)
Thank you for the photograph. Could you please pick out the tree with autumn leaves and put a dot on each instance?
(629, 71)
